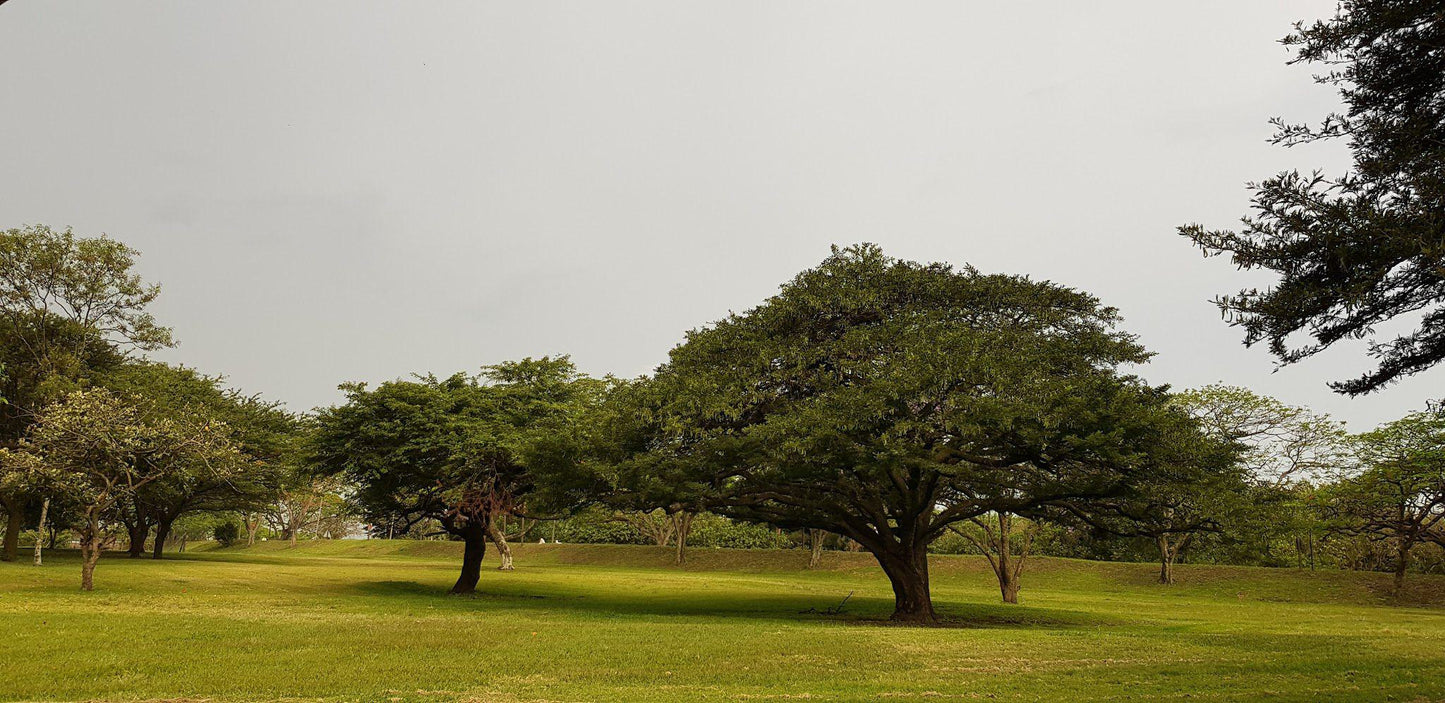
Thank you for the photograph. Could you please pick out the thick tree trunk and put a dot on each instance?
(815, 546)
(137, 532)
(14, 520)
(1008, 576)
(503, 548)
(907, 570)
(40, 529)
(163, 532)
(475, 539)
(1402, 563)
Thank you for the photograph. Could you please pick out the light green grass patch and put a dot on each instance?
(370, 621)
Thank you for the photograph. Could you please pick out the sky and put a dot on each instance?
(350, 190)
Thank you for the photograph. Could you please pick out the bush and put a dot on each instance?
(227, 533)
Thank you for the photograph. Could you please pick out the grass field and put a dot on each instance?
(370, 621)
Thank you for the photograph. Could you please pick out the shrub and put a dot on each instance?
(227, 533)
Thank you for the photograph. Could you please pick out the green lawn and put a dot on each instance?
(371, 621)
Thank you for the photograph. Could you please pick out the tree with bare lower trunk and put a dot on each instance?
(1399, 496)
(815, 546)
(656, 525)
(448, 449)
(1005, 541)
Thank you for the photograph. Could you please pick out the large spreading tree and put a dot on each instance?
(887, 400)
(1356, 250)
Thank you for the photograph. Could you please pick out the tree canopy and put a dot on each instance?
(449, 450)
(885, 400)
(1359, 249)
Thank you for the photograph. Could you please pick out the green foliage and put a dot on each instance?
(1399, 495)
(1357, 250)
(226, 533)
(884, 400)
(451, 450)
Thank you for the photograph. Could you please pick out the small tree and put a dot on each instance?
(1005, 542)
(450, 449)
(1400, 494)
(100, 451)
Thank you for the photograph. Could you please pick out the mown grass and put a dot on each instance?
(370, 621)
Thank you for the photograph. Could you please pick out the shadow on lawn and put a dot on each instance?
(798, 608)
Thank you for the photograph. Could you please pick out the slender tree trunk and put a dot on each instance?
(163, 532)
(40, 529)
(503, 548)
(90, 549)
(907, 570)
(815, 546)
(1008, 578)
(138, 532)
(475, 539)
(14, 519)
(682, 525)
(1166, 561)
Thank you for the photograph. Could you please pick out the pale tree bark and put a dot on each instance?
(998, 547)
(40, 529)
(252, 521)
(815, 547)
(1169, 554)
(681, 526)
(90, 548)
(503, 548)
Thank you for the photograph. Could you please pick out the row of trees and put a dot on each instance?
(886, 403)
(92, 436)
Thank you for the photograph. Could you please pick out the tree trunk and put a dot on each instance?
(14, 519)
(475, 539)
(907, 570)
(1008, 577)
(500, 540)
(815, 546)
(682, 524)
(89, 553)
(1166, 561)
(163, 531)
(1402, 563)
(40, 529)
(137, 532)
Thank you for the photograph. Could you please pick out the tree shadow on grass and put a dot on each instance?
(777, 607)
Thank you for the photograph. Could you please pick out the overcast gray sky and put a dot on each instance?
(349, 190)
